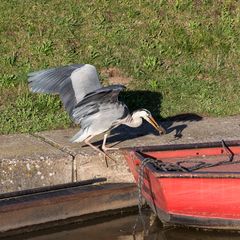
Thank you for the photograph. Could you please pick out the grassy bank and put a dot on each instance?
(186, 51)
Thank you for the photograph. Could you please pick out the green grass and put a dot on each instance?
(188, 51)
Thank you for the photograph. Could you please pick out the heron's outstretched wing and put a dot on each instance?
(96, 103)
(72, 82)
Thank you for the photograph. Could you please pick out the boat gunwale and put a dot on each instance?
(183, 146)
(204, 174)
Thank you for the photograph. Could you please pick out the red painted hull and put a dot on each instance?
(208, 198)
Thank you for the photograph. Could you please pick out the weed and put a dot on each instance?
(8, 80)
(12, 59)
(150, 62)
(46, 47)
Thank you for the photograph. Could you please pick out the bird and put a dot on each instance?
(94, 107)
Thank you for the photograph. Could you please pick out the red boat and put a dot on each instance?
(194, 185)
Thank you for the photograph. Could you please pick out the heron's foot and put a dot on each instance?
(106, 156)
(104, 148)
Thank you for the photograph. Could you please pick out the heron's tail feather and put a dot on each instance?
(78, 137)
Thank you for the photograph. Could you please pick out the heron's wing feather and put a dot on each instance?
(50, 80)
(72, 82)
(99, 100)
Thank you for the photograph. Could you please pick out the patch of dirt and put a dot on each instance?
(115, 76)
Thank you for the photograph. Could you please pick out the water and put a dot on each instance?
(121, 229)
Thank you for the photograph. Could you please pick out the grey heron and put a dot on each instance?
(95, 108)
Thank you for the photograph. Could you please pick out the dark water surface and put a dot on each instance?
(122, 229)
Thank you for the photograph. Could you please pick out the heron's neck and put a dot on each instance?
(133, 120)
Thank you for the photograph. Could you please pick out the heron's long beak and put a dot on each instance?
(152, 121)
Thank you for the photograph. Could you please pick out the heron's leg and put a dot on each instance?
(104, 148)
(97, 149)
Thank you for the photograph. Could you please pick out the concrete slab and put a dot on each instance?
(27, 162)
(89, 164)
(22, 146)
(95, 167)
(187, 131)
(53, 159)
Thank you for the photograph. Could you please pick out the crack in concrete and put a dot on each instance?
(62, 149)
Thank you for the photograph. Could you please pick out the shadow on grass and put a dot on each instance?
(151, 101)
(143, 99)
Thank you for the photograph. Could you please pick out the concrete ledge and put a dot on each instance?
(27, 162)
(48, 158)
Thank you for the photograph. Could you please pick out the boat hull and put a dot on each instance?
(204, 199)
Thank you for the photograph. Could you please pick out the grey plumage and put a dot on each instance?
(71, 82)
(95, 108)
(102, 99)
(101, 108)
(84, 98)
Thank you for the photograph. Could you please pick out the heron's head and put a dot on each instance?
(145, 114)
